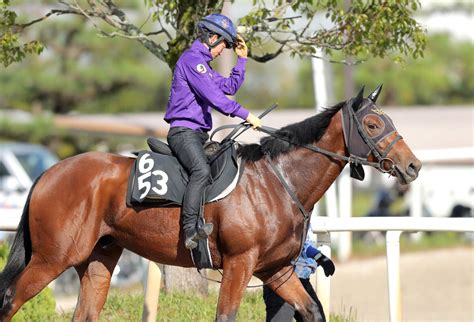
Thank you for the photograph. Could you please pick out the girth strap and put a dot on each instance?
(306, 215)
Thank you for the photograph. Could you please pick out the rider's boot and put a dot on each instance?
(191, 238)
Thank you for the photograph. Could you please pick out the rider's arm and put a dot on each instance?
(231, 85)
(309, 250)
(206, 89)
(321, 259)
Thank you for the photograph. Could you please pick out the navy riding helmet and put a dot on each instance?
(222, 26)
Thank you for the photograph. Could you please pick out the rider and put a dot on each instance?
(196, 89)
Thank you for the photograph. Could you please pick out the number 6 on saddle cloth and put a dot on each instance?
(157, 178)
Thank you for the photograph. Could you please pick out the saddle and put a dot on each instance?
(158, 178)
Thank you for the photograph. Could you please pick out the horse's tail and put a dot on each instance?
(20, 251)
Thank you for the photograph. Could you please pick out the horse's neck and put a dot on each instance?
(310, 174)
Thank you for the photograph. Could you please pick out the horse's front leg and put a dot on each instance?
(290, 289)
(238, 271)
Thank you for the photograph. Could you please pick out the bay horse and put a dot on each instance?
(76, 215)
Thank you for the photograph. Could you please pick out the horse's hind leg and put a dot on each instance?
(36, 276)
(293, 292)
(95, 274)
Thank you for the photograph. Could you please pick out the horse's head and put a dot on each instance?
(370, 135)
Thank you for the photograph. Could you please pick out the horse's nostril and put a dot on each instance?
(412, 170)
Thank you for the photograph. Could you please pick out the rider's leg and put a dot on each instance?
(187, 145)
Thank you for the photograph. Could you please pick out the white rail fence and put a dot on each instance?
(9, 219)
(394, 226)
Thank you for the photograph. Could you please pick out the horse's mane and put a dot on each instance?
(304, 132)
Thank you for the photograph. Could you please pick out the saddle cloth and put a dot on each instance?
(159, 178)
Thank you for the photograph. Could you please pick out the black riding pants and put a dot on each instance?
(280, 311)
(187, 146)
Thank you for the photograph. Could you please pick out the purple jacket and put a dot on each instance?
(196, 88)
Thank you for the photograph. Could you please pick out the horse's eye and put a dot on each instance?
(372, 126)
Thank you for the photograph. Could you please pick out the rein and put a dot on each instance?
(350, 159)
(381, 157)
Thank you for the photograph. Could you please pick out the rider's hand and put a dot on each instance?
(326, 263)
(241, 49)
(254, 121)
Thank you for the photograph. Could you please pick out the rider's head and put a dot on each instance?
(217, 31)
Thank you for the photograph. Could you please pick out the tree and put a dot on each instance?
(81, 72)
(443, 77)
(10, 49)
(377, 28)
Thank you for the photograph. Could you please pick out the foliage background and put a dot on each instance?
(80, 71)
(133, 81)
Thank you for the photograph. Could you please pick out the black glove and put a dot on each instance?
(326, 263)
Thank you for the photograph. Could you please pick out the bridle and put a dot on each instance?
(360, 144)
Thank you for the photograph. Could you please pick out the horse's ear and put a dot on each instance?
(358, 99)
(375, 94)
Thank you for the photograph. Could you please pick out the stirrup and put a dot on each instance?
(205, 230)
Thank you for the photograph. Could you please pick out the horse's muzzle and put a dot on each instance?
(410, 172)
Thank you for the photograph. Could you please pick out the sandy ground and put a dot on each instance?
(436, 286)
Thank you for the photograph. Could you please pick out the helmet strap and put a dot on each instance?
(214, 44)
(206, 34)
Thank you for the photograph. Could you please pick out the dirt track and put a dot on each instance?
(436, 286)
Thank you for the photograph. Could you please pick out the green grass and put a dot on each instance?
(181, 307)
(187, 307)
(428, 241)
(361, 203)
